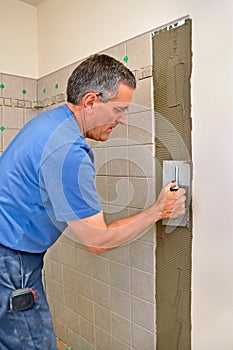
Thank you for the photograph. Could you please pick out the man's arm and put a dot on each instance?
(99, 237)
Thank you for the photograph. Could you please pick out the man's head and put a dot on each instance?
(99, 92)
(101, 74)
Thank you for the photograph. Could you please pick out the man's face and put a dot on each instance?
(106, 116)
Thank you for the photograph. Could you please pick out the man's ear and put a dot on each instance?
(89, 100)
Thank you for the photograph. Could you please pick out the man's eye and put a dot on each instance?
(123, 110)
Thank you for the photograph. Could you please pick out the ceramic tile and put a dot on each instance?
(101, 293)
(117, 161)
(56, 271)
(120, 254)
(62, 76)
(100, 268)
(118, 345)
(13, 86)
(143, 313)
(13, 118)
(86, 308)
(60, 312)
(68, 255)
(72, 320)
(103, 340)
(143, 256)
(121, 329)
(8, 136)
(102, 317)
(118, 52)
(69, 277)
(140, 128)
(139, 51)
(118, 191)
(46, 86)
(142, 285)
(142, 339)
(142, 98)
(87, 330)
(83, 261)
(141, 160)
(120, 302)
(30, 86)
(71, 299)
(84, 285)
(101, 184)
(100, 160)
(120, 276)
(142, 194)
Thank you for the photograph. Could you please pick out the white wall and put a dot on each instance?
(77, 29)
(18, 45)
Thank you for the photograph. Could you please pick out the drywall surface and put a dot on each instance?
(75, 29)
(18, 27)
(171, 75)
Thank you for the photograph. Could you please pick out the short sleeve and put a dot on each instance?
(68, 179)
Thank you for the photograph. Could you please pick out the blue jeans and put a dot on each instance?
(30, 329)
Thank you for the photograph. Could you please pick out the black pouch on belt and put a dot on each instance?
(22, 299)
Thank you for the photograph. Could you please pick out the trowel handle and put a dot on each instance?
(175, 188)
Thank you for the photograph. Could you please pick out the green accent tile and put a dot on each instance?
(2, 86)
(56, 86)
(24, 91)
(44, 91)
(126, 58)
(2, 128)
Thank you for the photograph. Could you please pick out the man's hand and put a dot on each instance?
(171, 204)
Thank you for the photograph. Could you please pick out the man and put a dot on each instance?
(47, 181)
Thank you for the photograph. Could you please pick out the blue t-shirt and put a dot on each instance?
(47, 177)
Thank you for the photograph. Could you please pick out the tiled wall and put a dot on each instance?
(18, 97)
(107, 301)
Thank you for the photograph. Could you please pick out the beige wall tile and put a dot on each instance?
(142, 339)
(100, 268)
(83, 262)
(120, 276)
(71, 299)
(118, 345)
(142, 98)
(140, 128)
(101, 293)
(87, 330)
(8, 136)
(86, 308)
(139, 51)
(143, 192)
(141, 160)
(140, 250)
(69, 277)
(13, 118)
(84, 285)
(30, 85)
(120, 302)
(142, 285)
(14, 86)
(117, 161)
(103, 340)
(143, 313)
(102, 317)
(121, 329)
(118, 52)
(46, 86)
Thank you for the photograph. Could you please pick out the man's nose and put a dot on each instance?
(122, 119)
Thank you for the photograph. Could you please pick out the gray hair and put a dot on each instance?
(101, 74)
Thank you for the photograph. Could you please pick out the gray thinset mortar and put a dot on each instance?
(171, 74)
